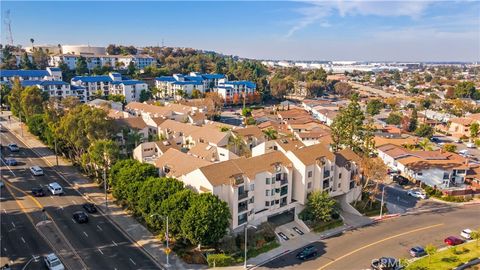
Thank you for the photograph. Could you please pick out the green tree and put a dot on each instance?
(430, 250)
(14, 98)
(25, 62)
(347, 127)
(31, 101)
(197, 93)
(131, 68)
(475, 235)
(452, 148)
(116, 97)
(465, 89)
(394, 119)
(207, 220)
(153, 192)
(374, 106)
(425, 131)
(474, 129)
(40, 59)
(396, 76)
(425, 144)
(343, 89)
(175, 207)
(101, 155)
(412, 124)
(4, 93)
(9, 59)
(36, 124)
(81, 67)
(314, 88)
(271, 134)
(428, 77)
(321, 205)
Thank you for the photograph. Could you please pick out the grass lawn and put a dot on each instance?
(447, 259)
(364, 208)
(323, 226)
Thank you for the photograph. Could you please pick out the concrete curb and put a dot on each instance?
(86, 197)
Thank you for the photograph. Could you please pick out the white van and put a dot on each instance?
(55, 188)
(36, 170)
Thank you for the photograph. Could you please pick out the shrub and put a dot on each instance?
(216, 260)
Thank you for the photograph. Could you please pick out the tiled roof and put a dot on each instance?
(308, 155)
(132, 122)
(23, 73)
(179, 163)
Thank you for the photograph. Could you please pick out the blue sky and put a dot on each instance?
(302, 30)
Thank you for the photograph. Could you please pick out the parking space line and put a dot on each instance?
(115, 244)
(13, 224)
(132, 261)
(23, 240)
(99, 228)
(85, 234)
(100, 251)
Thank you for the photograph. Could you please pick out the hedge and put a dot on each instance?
(217, 260)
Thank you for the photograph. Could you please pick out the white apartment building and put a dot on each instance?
(110, 84)
(117, 62)
(49, 74)
(236, 91)
(255, 188)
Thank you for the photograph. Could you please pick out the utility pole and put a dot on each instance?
(56, 153)
(381, 205)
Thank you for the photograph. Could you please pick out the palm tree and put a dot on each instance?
(32, 41)
(237, 143)
(133, 139)
(271, 134)
(425, 144)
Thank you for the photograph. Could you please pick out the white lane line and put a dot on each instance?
(23, 240)
(85, 234)
(99, 228)
(100, 251)
(132, 261)
(114, 243)
(13, 224)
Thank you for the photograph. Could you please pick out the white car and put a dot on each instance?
(470, 145)
(53, 262)
(466, 234)
(36, 170)
(55, 188)
(417, 194)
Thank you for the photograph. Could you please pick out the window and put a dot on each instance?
(267, 203)
(340, 175)
(267, 181)
(277, 201)
(309, 185)
(446, 175)
(267, 192)
(310, 173)
(420, 174)
(272, 202)
(277, 190)
(252, 200)
(252, 187)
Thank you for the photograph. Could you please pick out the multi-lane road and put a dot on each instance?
(354, 250)
(95, 245)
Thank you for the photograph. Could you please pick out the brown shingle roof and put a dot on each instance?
(223, 173)
(309, 154)
(179, 163)
(252, 131)
(131, 122)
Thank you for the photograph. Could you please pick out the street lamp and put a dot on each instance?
(381, 205)
(246, 229)
(167, 250)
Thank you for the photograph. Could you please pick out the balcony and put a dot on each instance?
(326, 174)
(283, 191)
(242, 195)
(283, 182)
(242, 207)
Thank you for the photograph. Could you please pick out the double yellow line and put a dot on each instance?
(378, 242)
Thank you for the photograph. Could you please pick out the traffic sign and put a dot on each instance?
(167, 251)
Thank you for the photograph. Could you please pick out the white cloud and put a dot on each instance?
(319, 11)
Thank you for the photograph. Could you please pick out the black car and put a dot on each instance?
(80, 217)
(90, 207)
(38, 192)
(417, 251)
(400, 180)
(307, 253)
(386, 263)
(11, 162)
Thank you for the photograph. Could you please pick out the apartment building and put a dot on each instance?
(113, 83)
(460, 127)
(49, 74)
(234, 92)
(117, 62)
(255, 188)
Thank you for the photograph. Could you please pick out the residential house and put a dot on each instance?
(174, 163)
(251, 135)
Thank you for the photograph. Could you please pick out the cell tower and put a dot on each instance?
(8, 28)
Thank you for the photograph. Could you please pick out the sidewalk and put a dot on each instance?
(126, 224)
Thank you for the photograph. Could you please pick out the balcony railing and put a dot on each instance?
(242, 208)
(326, 174)
(283, 182)
(242, 195)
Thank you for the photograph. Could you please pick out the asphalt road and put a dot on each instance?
(355, 249)
(99, 244)
(397, 200)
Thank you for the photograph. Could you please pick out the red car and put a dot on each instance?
(453, 241)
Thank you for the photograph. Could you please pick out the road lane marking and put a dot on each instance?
(85, 234)
(114, 243)
(100, 251)
(132, 261)
(99, 228)
(13, 224)
(74, 220)
(378, 242)
(23, 240)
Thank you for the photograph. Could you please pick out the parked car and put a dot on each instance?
(453, 241)
(55, 188)
(307, 253)
(11, 162)
(53, 262)
(400, 180)
(467, 234)
(80, 217)
(13, 147)
(470, 145)
(417, 251)
(38, 192)
(90, 207)
(36, 170)
(417, 194)
(435, 140)
(385, 263)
